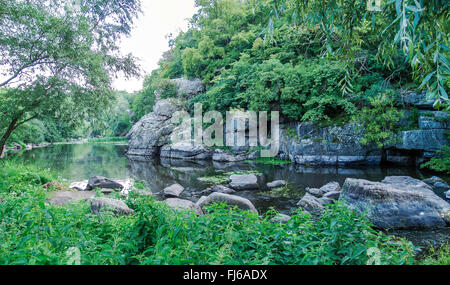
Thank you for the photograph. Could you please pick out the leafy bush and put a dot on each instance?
(440, 163)
(34, 232)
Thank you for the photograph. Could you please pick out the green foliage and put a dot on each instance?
(380, 121)
(167, 89)
(38, 233)
(440, 163)
(437, 256)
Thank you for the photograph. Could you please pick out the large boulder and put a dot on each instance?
(102, 183)
(244, 182)
(397, 203)
(102, 205)
(153, 131)
(423, 140)
(186, 151)
(232, 200)
(173, 191)
(183, 205)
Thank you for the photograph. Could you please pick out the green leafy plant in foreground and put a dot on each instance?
(35, 232)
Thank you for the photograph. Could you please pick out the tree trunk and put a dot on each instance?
(4, 139)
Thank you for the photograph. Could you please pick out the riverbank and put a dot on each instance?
(155, 234)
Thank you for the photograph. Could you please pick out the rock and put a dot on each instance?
(102, 183)
(418, 100)
(228, 156)
(441, 186)
(326, 201)
(189, 88)
(153, 131)
(101, 205)
(66, 197)
(186, 151)
(201, 201)
(232, 200)
(276, 184)
(447, 195)
(107, 191)
(183, 205)
(173, 191)
(280, 218)
(397, 203)
(312, 205)
(330, 187)
(423, 140)
(244, 182)
(218, 189)
(433, 180)
(80, 186)
(334, 195)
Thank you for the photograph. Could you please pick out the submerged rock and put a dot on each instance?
(183, 205)
(103, 183)
(101, 205)
(232, 200)
(276, 184)
(173, 191)
(244, 182)
(397, 203)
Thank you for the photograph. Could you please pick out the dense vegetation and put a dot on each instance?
(34, 232)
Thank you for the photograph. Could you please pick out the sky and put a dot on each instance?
(148, 39)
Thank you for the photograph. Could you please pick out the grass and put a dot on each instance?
(33, 232)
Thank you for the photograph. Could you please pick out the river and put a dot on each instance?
(78, 162)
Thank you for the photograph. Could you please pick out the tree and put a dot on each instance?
(57, 61)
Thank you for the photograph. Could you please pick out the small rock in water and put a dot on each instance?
(315, 192)
(244, 182)
(433, 180)
(276, 184)
(232, 200)
(103, 183)
(101, 205)
(331, 187)
(219, 189)
(173, 191)
(441, 186)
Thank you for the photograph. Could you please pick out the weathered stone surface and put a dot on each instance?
(330, 187)
(418, 100)
(447, 195)
(62, 198)
(433, 180)
(232, 200)
(153, 131)
(312, 205)
(186, 151)
(228, 156)
(244, 182)
(102, 183)
(101, 205)
(441, 186)
(436, 121)
(173, 191)
(183, 205)
(425, 140)
(336, 145)
(189, 88)
(281, 218)
(397, 203)
(276, 184)
(334, 195)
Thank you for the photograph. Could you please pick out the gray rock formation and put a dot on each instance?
(330, 187)
(219, 189)
(397, 203)
(189, 88)
(102, 183)
(102, 205)
(244, 182)
(186, 151)
(153, 131)
(173, 191)
(312, 205)
(276, 184)
(183, 205)
(232, 200)
(281, 218)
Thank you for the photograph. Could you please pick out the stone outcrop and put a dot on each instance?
(101, 182)
(397, 203)
(183, 205)
(232, 200)
(307, 144)
(102, 205)
(186, 151)
(153, 131)
(244, 182)
(189, 88)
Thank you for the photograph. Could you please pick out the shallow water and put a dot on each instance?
(81, 161)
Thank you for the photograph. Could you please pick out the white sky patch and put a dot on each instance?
(148, 39)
